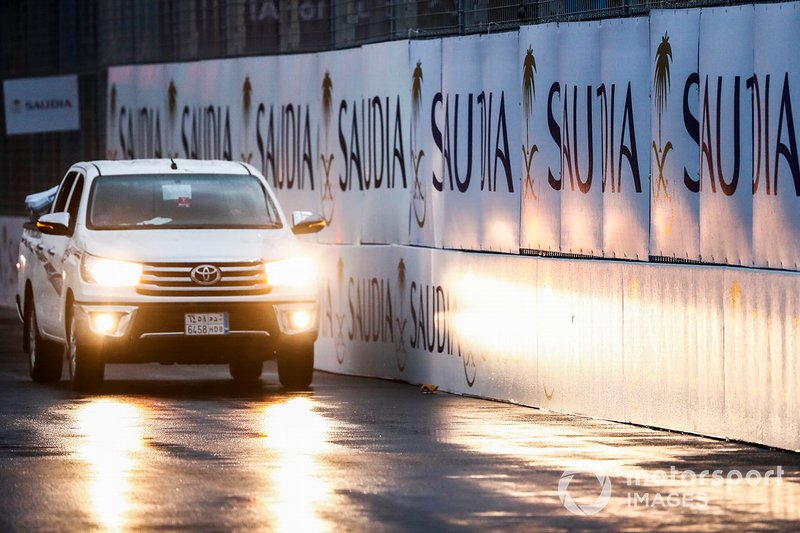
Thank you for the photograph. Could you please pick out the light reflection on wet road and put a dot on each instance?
(181, 448)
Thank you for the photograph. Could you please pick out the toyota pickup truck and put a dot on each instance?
(168, 261)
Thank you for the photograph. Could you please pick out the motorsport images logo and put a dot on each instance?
(580, 507)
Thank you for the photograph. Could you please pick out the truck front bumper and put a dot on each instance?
(155, 332)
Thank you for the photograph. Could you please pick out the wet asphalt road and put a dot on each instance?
(180, 448)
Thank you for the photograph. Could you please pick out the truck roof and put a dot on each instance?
(159, 166)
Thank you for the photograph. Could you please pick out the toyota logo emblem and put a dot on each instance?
(205, 274)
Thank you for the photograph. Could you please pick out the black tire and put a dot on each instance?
(86, 366)
(246, 370)
(45, 358)
(296, 366)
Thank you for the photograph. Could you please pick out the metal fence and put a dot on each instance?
(45, 37)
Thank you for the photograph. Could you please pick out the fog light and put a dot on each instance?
(301, 319)
(296, 318)
(104, 322)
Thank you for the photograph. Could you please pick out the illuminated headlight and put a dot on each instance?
(295, 272)
(110, 272)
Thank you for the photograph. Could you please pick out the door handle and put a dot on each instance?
(51, 251)
(40, 246)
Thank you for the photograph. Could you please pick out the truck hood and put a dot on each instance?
(162, 245)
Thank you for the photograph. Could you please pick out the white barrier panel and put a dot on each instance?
(726, 195)
(673, 338)
(702, 349)
(340, 72)
(477, 197)
(761, 367)
(625, 131)
(10, 234)
(581, 148)
(776, 173)
(386, 155)
(285, 100)
(425, 75)
(597, 201)
(540, 221)
(359, 310)
(585, 359)
(675, 155)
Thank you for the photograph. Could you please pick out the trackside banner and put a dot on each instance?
(629, 138)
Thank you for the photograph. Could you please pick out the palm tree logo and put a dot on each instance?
(327, 157)
(400, 344)
(338, 340)
(247, 90)
(528, 95)
(112, 105)
(327, 99)
(470, 366)
(418, 198)
(113, 102)
(661, 85)
(172, 113)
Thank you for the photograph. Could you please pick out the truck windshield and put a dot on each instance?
(180, 202)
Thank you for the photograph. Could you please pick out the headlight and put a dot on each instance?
(110, 272)
(295, 272)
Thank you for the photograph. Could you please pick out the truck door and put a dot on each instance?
(51, 282)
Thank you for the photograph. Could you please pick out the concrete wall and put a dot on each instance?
(703, 349)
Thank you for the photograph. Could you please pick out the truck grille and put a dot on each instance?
(174, 279)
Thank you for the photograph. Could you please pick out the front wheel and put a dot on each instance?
(86, 367)
(45, 358)
(296, 366)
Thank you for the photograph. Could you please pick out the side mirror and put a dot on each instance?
(54, 224)
(304, 222)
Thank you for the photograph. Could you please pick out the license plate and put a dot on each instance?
(206, 324)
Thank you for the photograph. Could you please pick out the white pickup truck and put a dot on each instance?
(169, 261)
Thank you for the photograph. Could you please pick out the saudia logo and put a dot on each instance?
(771, 155)
(614, 150)
(205, 130)
(406, 314)
(767, 157)
(44, 105)
(492, 140)
(786, 141)
(283, 138)
(371, 143)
